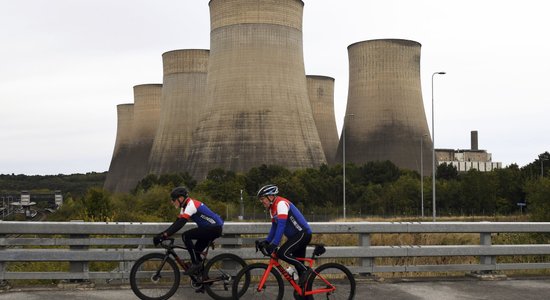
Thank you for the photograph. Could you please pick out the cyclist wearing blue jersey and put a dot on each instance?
(288, 220)
(209, 226)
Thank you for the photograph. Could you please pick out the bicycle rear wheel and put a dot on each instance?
(220, 272)
(272, 289)
(153, 278)
(337, 275)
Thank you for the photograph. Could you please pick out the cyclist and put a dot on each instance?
(288, 220)
(209, 226)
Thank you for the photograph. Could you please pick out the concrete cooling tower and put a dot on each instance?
(385, 117)
(321, 97)
(258, 107)
(183, 95)
(125, 121)
(146, 120)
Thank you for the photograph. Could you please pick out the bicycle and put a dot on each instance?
(156, 276)
(328, 281)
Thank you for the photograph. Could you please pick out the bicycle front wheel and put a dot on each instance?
(154, 277)
(332, 274)
(220, 272)
(254, 288)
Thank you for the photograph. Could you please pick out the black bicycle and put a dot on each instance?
(156, 276)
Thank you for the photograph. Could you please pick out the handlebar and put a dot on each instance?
(262, 249)
(167, 243)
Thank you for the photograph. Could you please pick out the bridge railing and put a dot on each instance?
(81, 243)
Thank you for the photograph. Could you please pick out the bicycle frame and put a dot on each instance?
(274, 262)
(170, 251)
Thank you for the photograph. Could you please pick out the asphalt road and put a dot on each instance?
(436, 289)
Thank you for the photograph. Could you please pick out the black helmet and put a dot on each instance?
(268, 190)
(177, 192)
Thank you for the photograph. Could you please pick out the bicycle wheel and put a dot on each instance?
(153, 278)
(338, 275)
(219, 273)
(272, 289)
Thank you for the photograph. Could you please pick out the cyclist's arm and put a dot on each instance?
(183, 217)
(282, 215)
(271, 232)
(177, 225)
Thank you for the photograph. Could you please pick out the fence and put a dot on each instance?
(81, 243)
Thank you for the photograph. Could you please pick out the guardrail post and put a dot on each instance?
(81, 267)
(366, 262)
(488, 261)
(485, 240)
(78, 266)
(4, 285)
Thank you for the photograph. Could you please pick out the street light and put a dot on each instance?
(433, 146)
(344, 163)
(422, 175)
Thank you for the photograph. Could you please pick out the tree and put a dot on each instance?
(446, 172)
(97, 206)
(538, 201)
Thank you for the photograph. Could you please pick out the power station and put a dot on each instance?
(121, 153)
(183, 96)
(144, 128)
(385, 118)
(247, 101)
(258, 110)
(321, 97)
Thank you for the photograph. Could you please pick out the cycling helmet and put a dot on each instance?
(177, 192)
(268, 190)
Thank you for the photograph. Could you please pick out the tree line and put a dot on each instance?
(372, 189)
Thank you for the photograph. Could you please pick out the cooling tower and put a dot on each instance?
(125, 119)
(385, 117)
(146, 120)
(258, 107)
(321, 97)
(183, 94)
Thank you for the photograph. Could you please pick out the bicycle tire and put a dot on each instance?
(148, 288)
(226, 266)
(274, 288)
(338, 275)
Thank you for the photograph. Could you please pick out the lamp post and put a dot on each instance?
(344, 164)
(433, 146)
(422, 176)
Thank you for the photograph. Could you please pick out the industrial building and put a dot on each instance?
(466, 159)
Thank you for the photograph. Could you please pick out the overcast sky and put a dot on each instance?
(66, 64)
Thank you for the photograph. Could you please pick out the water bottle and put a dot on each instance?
(292, 272)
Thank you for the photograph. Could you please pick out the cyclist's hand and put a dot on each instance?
(270, 248)
(158, 239)
(261, 244)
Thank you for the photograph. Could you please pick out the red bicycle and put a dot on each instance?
(328, 281)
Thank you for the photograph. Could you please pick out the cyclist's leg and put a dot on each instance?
(188, 237)
(295, 247)
(207, 235)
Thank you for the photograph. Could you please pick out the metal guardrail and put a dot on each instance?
(80, 243)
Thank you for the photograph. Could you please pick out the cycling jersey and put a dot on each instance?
(200, 214)
(285, 219)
